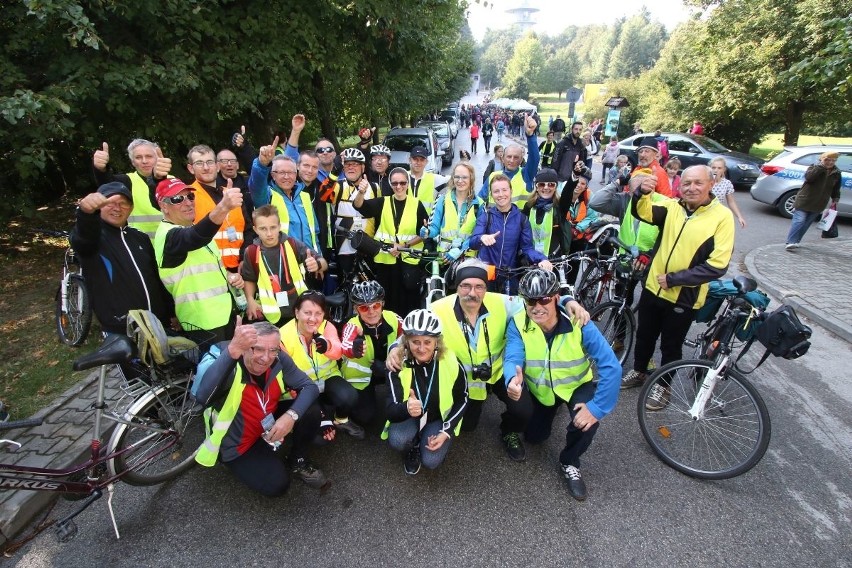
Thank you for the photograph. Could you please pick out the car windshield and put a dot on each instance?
(404, 143)
(442, 130)
(448, 116)
(710, 144)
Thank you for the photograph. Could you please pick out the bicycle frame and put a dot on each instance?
(708, 384)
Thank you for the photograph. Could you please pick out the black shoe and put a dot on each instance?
(515, 447)
(412, 461)
(303, 469)
(576, 485)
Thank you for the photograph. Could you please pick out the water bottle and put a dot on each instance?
(239, 295)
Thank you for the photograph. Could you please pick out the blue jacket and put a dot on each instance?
(515, 238)
(529, 171)
(261, 193)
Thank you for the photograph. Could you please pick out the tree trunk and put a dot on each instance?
(323, 108)
(793, 122)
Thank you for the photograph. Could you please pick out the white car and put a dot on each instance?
(402, 140)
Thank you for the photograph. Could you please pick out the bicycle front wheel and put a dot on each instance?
(726, 440)
(593, 287)
(74, 319)
(165, 431)
(617, 324)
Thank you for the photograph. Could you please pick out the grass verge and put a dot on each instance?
(772, 145)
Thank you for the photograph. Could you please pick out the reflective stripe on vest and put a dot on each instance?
(452, 228)
(284, 216)
(221, 420)
(198, 285)
(425, 190)
(455, 341)
(387, 233)
(358, 371)
(541, 233)
(268, 302)
(318, 367)
(143, 216)
(230, 249)
(448, 370)
(557, 371)
(519, 188)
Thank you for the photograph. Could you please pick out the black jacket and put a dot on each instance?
(563, 159)
(120, 271)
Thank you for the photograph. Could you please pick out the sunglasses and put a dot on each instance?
(549, 184)
(540, 301)
(364, 308)
(398, 183)
(324, 150)
(178, 199)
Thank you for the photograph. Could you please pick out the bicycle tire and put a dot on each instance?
(593, 289)
(617, 324)
(731, 437)
(153, 461)
(74, 323)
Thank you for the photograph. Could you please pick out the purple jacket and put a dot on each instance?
(515, 238)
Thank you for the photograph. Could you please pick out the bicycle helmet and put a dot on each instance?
(538, 283)
(366, 292)
(353, 155)
(380, 149)
(421, 322)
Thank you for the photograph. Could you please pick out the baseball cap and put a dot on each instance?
(169, 188)
(419, 152)
(115, 188)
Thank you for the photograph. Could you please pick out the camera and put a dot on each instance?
(481, 372)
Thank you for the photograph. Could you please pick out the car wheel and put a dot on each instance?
(785, 204)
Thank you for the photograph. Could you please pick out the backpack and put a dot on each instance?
(784, 335)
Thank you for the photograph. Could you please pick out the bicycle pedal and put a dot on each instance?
(65, 532)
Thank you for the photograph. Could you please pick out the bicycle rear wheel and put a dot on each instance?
(728, 440)
(593, 288)
(165, 431)
(74, 322)
(617, 324)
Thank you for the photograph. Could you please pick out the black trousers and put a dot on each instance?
(576, 441)
(402, 283)
(487, 141)
(663, 319)
(514, 418)
(262, 469)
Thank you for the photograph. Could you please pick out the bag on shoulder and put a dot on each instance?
(784, 335)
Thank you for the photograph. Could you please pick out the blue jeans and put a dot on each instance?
(802, 221)
(403, 435)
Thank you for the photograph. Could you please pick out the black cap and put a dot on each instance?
(546, 174)
(115, 188)
(648, 142)
(419, 152)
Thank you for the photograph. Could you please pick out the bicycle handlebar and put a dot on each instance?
(51, 233)
(25, 423)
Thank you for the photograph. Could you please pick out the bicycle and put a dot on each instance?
(596, 278)
(339, 305)
(155, 438)
(73, 306)
(701, 416)
(433, 286)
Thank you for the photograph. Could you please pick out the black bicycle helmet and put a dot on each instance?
(367, 292)
(353, 155)
(421, 322)
(538, 283)
(380, 150)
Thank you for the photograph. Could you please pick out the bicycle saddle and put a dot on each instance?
(116, 349)
(744, 284)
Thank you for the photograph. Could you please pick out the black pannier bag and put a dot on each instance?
(784, 335)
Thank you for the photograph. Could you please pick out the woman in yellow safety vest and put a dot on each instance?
(455, 213)
(544, 214)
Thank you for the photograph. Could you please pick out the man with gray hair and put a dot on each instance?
(150, 167)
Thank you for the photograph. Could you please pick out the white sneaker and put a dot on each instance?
(791, 246)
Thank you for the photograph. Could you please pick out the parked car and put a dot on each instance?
(402, 140)
(693, 149)
(782, 177)
(451, 116)
(445, 138)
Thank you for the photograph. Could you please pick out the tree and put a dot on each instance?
(638, 47)
(524, 68)
(559, 72)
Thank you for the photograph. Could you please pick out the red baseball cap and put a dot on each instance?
(169, 188)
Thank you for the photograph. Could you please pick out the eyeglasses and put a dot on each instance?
(364, 308)
(261, 351)
(469, 287)
(540, 301)
(457, 178)
(548, 184)
(228, 161)
(324, 150)
(208, 163)
(398, 183)
(284, 172)
(178, 199)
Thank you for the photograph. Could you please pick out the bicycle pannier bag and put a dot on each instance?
(784, 335)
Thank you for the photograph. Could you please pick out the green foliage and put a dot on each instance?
(639, 43)
(524, 68)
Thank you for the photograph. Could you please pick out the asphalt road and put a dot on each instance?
(481, 509)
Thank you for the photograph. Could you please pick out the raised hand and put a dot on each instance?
(101, 158)
(415, 408)
(516, 385)
(245, 337)
(267, 153)
(239, 138)
(298, 122)
(232, 197)
(162, 166)
(489, 240)
(320, 343)
(311, 264)
(95, 201)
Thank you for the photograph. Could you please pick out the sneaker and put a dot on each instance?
(514, 447)
(659, 397)
(412, 461)
(350, 428)
(791, 246)
(303, 469)
(633, 379)
(576, 485)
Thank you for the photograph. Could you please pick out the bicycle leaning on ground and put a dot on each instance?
(158, 429)
(702, 417)
(73, 306)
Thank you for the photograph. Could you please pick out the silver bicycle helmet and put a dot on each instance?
(366, 292)
(538, 283)
(380, 149)
(353, 155)
(421, 322)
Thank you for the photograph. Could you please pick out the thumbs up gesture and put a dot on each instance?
(232, 197)
(489, 240)
(415, 407)
(101, 158)
(267, 153)
(516, 385)
(239, 138)
(162, 166)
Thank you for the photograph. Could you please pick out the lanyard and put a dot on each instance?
(465, 327)
(310, 353)
(281, 264)
(263, 401)
(425, 401)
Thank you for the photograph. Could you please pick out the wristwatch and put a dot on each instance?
(292, 414)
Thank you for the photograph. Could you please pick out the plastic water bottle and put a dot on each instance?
(239, 295)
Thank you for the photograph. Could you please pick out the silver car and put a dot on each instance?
(445, 138)
(402, 140)
(782, 177)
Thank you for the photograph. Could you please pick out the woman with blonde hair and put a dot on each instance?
(723, 189)
(542, 209)
(455, 213)
(495, 164)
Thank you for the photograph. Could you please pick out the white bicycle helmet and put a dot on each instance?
(353, 155)
(538, 283)
(380, 149)
(366, 292)
(421, 322)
